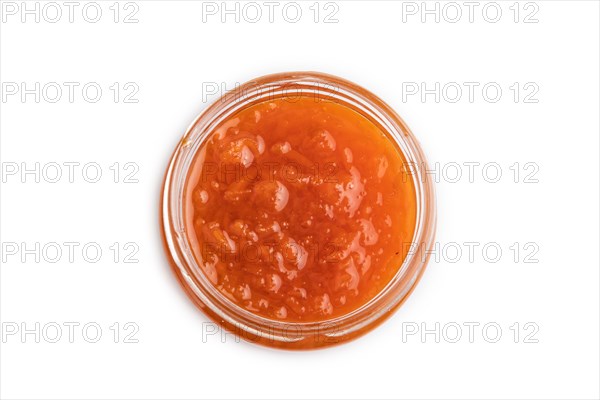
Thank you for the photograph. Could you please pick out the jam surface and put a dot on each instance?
(299, 210)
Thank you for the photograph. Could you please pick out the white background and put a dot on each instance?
(173, 56)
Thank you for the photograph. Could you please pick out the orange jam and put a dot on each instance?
(297, 209)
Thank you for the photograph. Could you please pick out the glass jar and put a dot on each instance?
(265, 331)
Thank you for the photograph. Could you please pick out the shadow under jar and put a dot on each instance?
(295, 212)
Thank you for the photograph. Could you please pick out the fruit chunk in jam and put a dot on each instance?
(299, 210)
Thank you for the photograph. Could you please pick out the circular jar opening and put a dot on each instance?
(295, 212)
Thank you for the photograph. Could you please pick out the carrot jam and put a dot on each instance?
(297, 211)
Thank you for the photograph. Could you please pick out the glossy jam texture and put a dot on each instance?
(299, 210)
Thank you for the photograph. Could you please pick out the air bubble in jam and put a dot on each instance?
(299, 211)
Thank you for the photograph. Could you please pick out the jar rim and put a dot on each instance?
(231, 315)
